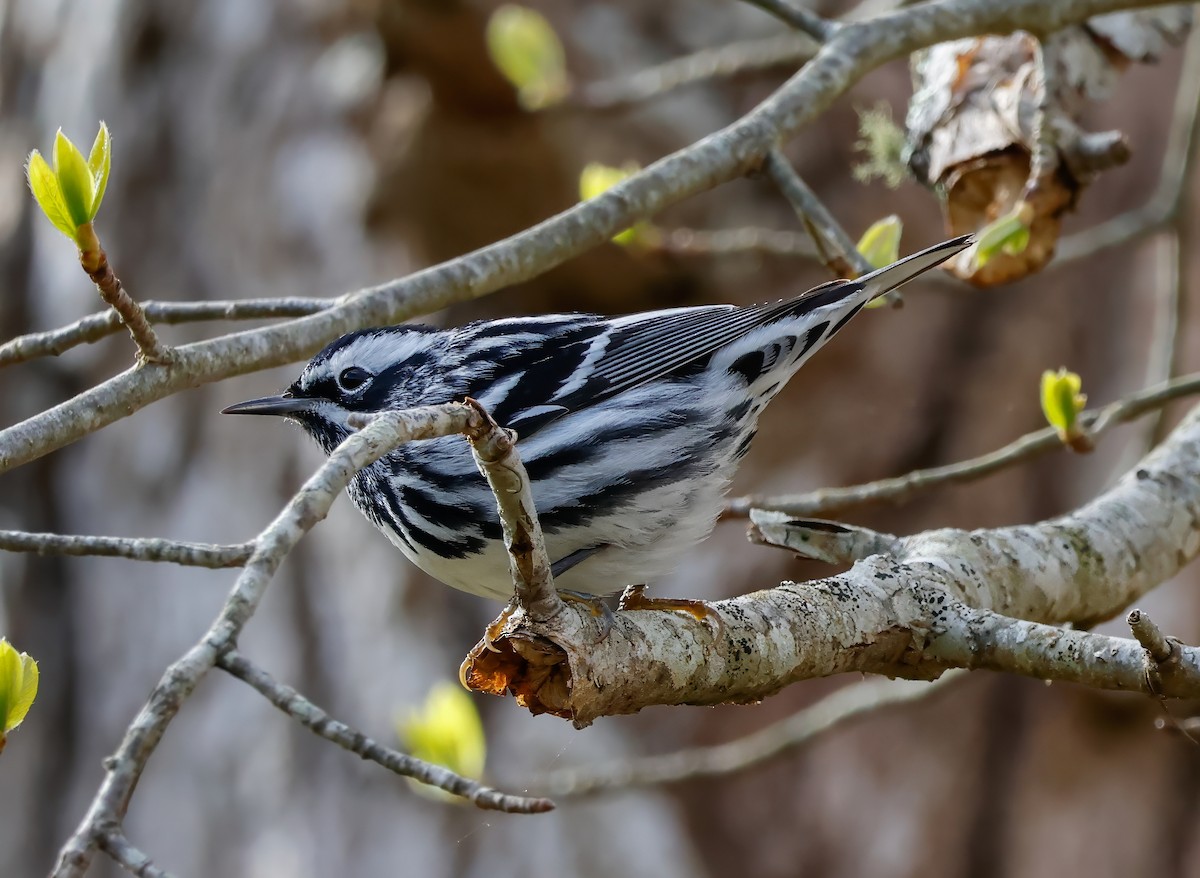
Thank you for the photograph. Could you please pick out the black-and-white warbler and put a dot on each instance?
(630, 427)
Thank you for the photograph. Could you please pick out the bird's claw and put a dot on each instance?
(634, 598)
(493, 631)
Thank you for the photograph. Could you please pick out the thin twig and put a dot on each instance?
(733, 242)
(832, 711)
(104, 323)
(753, 241)
(803, 20)
(826, 501)
(495, 452)
(1164, 655)
(846, 261)
(325, 726)
(94, 261)
(135, 549)
(129, 857)
(732, 59)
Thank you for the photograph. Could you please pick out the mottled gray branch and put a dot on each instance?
(129, 857)
(322, 724)
(95, 327)
(826, 501)
(495, 452)
(853, 51)
(990, 599)
(831, 712)
(845, 261)
(832, 542)
(133, 548)
(803, 20)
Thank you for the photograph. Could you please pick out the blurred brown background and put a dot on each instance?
(268, 147)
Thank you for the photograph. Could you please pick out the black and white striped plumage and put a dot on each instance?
(630, 427)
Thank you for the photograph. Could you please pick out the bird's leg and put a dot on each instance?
(634, 598)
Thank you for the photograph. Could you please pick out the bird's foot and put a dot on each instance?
(634, 598)
(492, 632)
(596, 605)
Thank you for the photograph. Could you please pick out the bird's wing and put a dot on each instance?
(543, 367)
(643, 347)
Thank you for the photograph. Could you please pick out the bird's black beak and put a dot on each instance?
(270, 405)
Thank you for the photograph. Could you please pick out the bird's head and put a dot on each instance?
(371, 370)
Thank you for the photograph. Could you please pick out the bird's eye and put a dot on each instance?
(353, 378)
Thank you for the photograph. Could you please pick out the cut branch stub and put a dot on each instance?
(983, 107)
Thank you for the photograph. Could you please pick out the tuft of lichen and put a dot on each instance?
(881, 141)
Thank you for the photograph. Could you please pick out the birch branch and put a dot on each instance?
(495, 451)
(733, 59)
(948, 598)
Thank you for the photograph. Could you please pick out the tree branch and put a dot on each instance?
(325, 726)
(732, 242)
(133, 548)
(913, 613)
(803, 20)
(846, 261)
(104, 323)
(1165, 203)
(732, 59)
(495, 453)
(826, 501)
(1159, 649)
(832, 711)
(129, 857)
